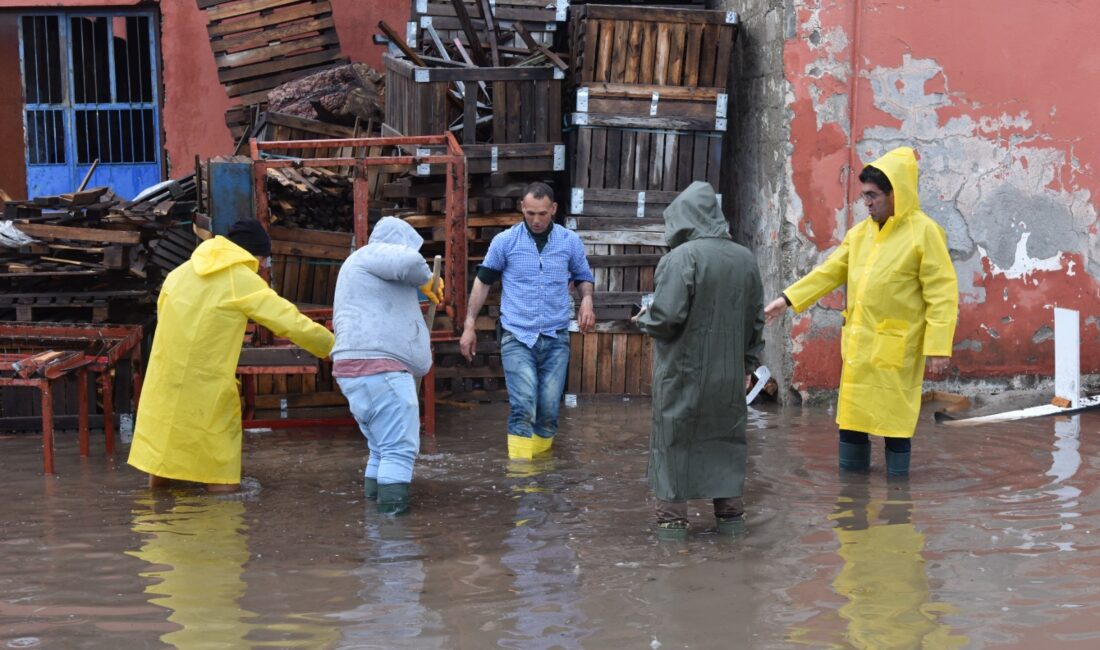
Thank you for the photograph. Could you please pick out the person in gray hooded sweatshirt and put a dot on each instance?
(382, 346)
(707, 322)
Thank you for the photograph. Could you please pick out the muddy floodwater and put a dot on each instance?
(994, 541)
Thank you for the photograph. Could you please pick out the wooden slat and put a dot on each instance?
(267, 36)
(245, 7)
(591, 344)
(306, 10)
(618, 363)
(603, 364)
(73, 233)
(243, 59)
(298, 62)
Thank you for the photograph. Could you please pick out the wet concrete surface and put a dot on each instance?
(993, 542)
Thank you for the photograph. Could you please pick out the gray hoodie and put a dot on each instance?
(376, 314)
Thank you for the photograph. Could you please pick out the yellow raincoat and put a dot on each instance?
(903, 302)
(189, 419)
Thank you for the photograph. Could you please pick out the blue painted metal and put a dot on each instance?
(230, 188)
(127, 170)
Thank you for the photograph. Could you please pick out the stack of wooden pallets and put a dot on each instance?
(647, 114)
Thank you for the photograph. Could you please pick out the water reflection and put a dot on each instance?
(546, 612)
(198, 549)
(391, 614)
(888, 601)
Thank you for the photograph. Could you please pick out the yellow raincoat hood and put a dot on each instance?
(189, 419)
(902, 306)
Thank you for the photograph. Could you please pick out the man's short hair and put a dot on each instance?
(875, 176)
(539, 190)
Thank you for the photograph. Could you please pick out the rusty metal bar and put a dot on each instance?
(47, 425)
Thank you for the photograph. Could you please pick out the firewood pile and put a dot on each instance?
(91, 255)
(314, 198)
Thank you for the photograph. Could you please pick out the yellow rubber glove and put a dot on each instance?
(435, 294)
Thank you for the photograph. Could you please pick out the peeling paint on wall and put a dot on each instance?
(1008, 175)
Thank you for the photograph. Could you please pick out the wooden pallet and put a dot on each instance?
(638, 159)
(616, 362)
(503, 134)
(649, 45)
(260, 44)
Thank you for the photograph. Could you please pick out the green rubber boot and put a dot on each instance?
(393, 498)
(672, 531)
(897, 463)
(855, 457)
(370, 488)
(732, 526)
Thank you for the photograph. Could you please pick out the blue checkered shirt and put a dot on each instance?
(535, 298)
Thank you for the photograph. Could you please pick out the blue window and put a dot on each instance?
(90, 94)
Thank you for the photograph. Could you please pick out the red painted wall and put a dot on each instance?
(998, 105)
(193, 101)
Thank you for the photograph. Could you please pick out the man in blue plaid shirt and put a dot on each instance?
(536, 261)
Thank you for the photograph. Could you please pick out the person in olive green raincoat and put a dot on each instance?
(707, 323)
(903, 302)
(189, 420)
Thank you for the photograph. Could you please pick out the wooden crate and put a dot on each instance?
(506, 136)
(651, 107)
(650, 45)
(616, 361)
(543, 19)
(610, 158)
(260, 44)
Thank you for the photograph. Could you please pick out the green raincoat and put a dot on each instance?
(903, 301)
(707, 323)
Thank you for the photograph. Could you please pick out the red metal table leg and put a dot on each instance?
(135, 373)
(82, 408)
(108, 386)
(47, 425)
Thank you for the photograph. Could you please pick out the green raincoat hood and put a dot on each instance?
(900, 166)
(695, 215)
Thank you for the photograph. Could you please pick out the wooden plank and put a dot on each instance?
(597, 166)
(245, 7)
(582, 157)
(684, 163)
(298, 62)
(623, 260)
(691, 55)
(722, 61)
(677, 38)
(618, 363)
(647, 67)
(500, 110)
(73, 233)
(645, 370)
(626, 167)
(670, 173)
(603, 61)
(661, 61)
(641, 160)
(655, 14)
(611, 171)
(266, 20)
(486, 12)
(309, 250)
(633, 238)
(304, 236)
(270, 35)
(656, 166)
(472, 36)
(633, 53)
(541, 114)
(620, 63)
(630, 273)
(708, 54)
(633, 369)
(587, 64)
(603, 364)
(469, 115)
(591, 348)
(576, 363)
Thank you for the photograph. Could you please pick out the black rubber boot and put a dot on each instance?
(897, 463)
(370, 488)
(393, 498)
(855, 457)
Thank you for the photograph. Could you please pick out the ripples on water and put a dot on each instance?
(992, 543)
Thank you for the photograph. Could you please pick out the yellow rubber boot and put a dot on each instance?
(541, 445)
(521, 448)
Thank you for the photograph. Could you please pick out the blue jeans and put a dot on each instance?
(386, 407)
(536, 379)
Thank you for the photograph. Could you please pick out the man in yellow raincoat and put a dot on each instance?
(902, 307)
(189, 420)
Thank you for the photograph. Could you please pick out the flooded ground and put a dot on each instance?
(993, 542)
